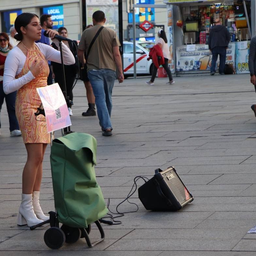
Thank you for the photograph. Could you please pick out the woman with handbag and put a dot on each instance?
(26, 68)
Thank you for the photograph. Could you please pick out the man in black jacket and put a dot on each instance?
(218, 43)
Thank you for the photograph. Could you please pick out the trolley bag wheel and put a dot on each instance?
(54, 237)
(72, 234)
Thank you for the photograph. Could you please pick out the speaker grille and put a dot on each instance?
(175, 185)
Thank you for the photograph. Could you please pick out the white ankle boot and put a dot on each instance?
(37, 208)
(26, 215)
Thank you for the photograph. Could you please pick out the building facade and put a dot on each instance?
(76, 14)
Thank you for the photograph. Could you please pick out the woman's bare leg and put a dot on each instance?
(32, 172)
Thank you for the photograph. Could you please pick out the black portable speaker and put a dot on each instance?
(164, 192)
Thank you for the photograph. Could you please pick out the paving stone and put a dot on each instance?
(203, 127)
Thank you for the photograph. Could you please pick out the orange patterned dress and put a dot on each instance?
(33, 128)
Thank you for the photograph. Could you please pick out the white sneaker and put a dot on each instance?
(150, 83)
(15, 133)
(70, 111)
(171, 82)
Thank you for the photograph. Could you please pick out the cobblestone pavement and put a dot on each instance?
(202, 125)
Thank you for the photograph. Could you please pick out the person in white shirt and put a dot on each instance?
(26, 68)
(13, 41)
(162, 42)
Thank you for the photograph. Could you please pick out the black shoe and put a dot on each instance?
(253, 109)
(212, 73)
(106, 132)
(89, 112)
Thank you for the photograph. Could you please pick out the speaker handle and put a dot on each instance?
(158, 170)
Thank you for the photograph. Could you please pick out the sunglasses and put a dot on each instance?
(3, 40)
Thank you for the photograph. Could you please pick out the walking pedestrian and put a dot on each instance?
(103, 62)
(218, 41)
(89, 92)
(5, 47)
(162, 43)
(26, 68)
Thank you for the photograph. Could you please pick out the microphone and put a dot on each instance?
(58, 37)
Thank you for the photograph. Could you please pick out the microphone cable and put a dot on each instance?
(111, 217)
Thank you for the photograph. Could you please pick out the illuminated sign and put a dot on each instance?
(146, 26)
(57, 15)
(142, 14)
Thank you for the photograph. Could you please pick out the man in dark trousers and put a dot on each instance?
(104, 66)
(218, 43)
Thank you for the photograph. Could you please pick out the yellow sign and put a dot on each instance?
(13, 17)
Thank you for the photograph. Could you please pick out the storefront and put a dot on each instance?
(64, 13)
(75, 15)
(189, 23)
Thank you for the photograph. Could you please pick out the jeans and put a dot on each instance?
(102, 82)
(10, 104)
(219, 50)
(165, 66)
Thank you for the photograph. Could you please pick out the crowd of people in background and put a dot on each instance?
(104, 57)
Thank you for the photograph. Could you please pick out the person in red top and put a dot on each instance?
(5, 47)
(162, 43)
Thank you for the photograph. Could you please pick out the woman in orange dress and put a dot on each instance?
(26, 69)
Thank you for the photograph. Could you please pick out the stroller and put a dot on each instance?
(78, 198)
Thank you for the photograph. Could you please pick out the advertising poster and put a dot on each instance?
(8, 19)
(55, 107)
(242, 57)
(198, 57)
(109, 7)
(142, 14)
(57, 15)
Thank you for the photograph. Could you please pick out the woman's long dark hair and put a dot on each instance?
(162, 35)
(22, 21)
(3, 34)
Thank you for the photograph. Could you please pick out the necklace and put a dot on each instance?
(26, 48)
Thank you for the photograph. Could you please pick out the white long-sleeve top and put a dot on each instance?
(16, 59)
(165, 48)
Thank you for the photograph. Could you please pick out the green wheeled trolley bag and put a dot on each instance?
(78, 198)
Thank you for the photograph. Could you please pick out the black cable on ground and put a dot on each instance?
(111, 217)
